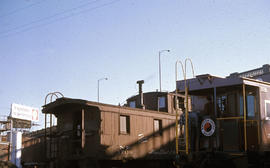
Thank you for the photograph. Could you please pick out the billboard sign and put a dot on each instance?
(24, 112)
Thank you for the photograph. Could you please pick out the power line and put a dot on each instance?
(22, 8)
(62, 18)
(48, 17)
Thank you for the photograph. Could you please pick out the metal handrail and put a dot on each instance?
(245, 116)
(50, 130)
(186, 101)
(230, 118)
(176, 105)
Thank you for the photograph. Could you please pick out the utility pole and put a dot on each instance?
(159, 53)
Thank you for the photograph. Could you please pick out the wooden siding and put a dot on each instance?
(141, 139)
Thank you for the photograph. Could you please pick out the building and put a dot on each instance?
(4, 143)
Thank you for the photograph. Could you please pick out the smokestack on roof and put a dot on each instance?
(140, 82)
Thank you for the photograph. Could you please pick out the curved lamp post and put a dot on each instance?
(159, 53)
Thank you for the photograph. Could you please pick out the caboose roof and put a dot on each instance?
(204, 82)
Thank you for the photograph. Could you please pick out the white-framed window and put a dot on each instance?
(161, 102)
(132, 104)
(267, 109)
(124, 124)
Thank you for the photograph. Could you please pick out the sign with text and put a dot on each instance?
(24, 112)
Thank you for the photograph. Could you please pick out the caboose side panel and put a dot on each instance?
(265, 117)
(131, 133)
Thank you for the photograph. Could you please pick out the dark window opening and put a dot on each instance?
(180, 102)
(158, 126)
(221, 105)
(232, 105)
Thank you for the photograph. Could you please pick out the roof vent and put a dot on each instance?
(140, 82)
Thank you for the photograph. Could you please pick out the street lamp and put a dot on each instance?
(98, 87)
(159, 53)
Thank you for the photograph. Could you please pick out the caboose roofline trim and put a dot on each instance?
(51, 108)
(265, 69)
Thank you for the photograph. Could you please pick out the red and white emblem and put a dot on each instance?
(208, 127)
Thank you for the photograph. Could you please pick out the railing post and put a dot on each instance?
(245, 116)
(83, 130)
(186, 119)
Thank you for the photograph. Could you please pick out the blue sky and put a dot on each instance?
(66, 46)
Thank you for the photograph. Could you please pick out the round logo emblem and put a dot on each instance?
(208, 127)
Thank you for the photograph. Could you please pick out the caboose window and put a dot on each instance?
(161, 102)
(250, 106)
(222, 104)
(267, 109)
(241, 104)
(132, 104)
(124, 124)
